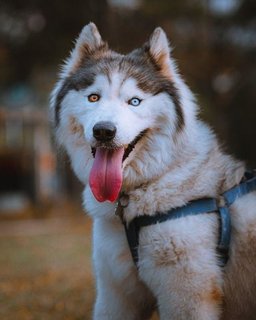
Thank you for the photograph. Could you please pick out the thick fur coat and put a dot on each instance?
(134, 115)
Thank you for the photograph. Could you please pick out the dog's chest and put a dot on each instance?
(177, 241)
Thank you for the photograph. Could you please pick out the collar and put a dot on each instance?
(201, 206)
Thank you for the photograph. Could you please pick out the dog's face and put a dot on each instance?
(111, 109)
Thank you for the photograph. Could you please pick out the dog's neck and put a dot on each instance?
(197, 171)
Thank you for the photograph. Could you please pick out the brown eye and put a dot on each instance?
(93, 97)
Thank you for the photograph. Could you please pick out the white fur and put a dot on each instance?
(178, 264)
(113, 107)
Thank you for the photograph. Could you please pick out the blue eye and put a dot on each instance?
(134, 102)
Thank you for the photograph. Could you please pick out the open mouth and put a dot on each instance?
(106, 175)
(127, 148)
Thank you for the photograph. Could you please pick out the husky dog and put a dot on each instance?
(129, 125)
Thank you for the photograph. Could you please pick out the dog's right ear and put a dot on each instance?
(159, 50)
(87, 43)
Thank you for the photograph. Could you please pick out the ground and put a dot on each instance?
(45, 269)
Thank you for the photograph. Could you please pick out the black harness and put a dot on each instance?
(208, 205)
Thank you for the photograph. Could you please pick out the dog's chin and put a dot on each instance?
(128, 148)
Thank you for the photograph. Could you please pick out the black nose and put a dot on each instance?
(104, 131)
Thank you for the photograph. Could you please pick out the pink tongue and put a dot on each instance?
(106, 174)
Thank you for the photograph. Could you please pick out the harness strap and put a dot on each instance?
(224, 235)
(194, 208)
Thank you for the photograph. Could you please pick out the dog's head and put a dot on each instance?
(119, 117)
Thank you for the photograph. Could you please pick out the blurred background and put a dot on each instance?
(45, 270)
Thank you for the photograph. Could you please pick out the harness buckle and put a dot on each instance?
(221, 201)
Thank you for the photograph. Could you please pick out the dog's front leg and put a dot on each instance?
(185, 305)
(120, 293)
(113, 303)
(178, 263)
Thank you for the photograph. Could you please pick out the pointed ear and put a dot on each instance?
(89, 39)
(159, 51)
(88, 42)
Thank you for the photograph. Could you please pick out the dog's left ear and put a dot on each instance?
(159, 50)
